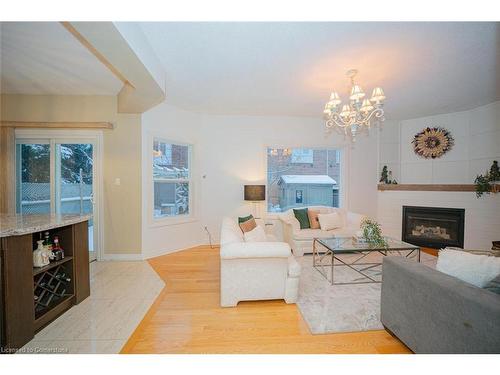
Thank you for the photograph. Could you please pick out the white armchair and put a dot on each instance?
(255, 270)
(301, 240)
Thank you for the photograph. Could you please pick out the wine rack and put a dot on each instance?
(33, 297)
(52, 286)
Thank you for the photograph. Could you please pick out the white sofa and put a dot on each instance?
(301, 240)
(255, 270)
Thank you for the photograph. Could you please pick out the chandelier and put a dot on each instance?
(356, 115)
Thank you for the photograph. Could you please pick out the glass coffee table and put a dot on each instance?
(329, 253)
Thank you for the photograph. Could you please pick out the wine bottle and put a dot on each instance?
(46, 285)
(63, 277)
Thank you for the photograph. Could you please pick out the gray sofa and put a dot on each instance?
(432, 312)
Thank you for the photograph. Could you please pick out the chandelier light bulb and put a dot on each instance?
(346, 111)
(335, 99)
(378, 95)
(356, 93)
(366, 106)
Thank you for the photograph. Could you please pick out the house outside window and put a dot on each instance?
(302, 177)
(171, 179)
(302, 156)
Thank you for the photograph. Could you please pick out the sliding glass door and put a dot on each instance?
(57, 176)
(74, 182)
(33, 188)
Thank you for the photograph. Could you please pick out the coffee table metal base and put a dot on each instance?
(328, 254)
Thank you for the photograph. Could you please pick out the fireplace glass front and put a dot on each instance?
(434, 227)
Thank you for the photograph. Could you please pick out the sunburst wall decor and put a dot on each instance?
(432, 142)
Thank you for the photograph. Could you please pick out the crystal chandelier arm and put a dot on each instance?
(336, 119)
(376, 113)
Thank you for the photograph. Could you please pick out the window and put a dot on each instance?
(302, 177)
(304, 156)
(171, 179)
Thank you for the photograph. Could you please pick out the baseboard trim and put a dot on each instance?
(121, 257)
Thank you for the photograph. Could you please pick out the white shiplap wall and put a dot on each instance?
(477, 144)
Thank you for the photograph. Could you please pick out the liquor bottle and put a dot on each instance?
(48, 245)
(57, 250)
(47, 242)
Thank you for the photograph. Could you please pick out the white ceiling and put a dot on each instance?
(275, 68)
(44, 58)
(290, 68)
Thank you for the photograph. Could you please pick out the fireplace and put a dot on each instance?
(433, 227)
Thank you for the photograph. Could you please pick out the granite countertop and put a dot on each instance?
(17, 224)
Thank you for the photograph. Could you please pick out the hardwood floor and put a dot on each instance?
(430, 251)
(186, 318)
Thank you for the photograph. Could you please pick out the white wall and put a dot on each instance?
(234, 154)
(477, 144)
(230, 151)
(173, 124)
(121, 217)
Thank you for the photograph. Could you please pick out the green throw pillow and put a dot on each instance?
(245, 218)
(303, 218)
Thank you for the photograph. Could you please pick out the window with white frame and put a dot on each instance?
(171, 178)
(301, 177)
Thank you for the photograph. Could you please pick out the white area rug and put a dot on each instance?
(342, 308)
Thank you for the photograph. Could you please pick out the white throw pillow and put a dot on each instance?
(477, 270)
(330, 221)
(257, 234)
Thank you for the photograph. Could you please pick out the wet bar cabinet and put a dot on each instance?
(32, 297)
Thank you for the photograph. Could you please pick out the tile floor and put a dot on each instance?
(121, 294)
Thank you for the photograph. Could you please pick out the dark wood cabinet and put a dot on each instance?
(2, 340)
(81, 255)
(17, 280)
(21, 314)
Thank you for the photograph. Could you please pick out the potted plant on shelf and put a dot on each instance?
(386, 176)
(489, 182)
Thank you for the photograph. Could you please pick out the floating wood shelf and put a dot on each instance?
(427, 187)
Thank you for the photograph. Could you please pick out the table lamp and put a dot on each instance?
(255, 194)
